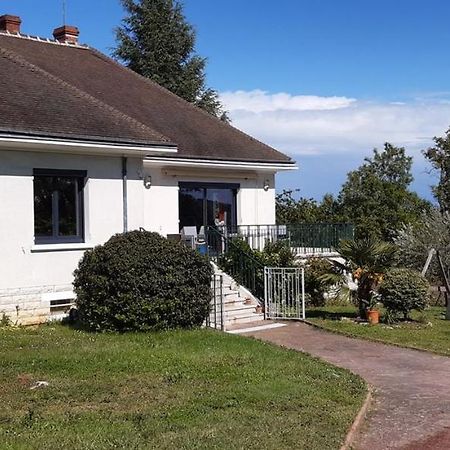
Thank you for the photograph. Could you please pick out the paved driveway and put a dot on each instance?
(411, 409)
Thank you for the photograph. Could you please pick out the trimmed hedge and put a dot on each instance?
(403, 290)
(141, 281)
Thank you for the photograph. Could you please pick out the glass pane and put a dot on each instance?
(67, 205)
(43, 194)
(191, 207)
(221, 207)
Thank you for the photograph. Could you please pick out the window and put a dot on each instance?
(207, 204)
(58, 206)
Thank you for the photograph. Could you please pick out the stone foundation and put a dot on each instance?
(28, 306)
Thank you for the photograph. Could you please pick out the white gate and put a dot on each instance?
(284, 293)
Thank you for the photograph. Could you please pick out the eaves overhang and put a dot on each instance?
(259, 166)
(19, 142)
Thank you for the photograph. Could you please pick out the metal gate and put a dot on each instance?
(284, 293)
(215, 317)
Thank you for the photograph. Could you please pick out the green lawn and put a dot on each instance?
(173, 390)
(431, 333)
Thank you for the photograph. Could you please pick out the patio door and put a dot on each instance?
(207, 204)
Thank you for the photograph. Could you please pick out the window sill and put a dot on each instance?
(38, 248)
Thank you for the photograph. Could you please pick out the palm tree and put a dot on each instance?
(367, 259)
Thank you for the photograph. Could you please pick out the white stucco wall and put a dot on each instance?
(25, 273)
(255, 206)
(28, 274)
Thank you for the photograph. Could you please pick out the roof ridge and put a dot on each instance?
(44, 40)
(191, 105)
(24, 62)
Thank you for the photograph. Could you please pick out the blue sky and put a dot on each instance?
(324, 80)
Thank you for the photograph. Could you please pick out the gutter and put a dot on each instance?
(211, 163)
(83, 147)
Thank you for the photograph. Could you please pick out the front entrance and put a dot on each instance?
(208, 204)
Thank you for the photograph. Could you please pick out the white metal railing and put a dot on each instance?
(284, 293)
(216, 316)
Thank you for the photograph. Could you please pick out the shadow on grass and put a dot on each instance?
(325, 314)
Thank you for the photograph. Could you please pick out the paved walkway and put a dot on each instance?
(411, 409)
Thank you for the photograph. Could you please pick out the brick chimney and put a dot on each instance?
(66, 33)
(10, 24)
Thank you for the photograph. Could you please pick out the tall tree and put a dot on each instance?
(439, 156)
(156, 41)
(376, 196)
(304, 210)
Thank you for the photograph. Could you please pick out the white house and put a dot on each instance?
(89, 148)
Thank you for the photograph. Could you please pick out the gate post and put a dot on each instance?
(303, 294)
(265, 293)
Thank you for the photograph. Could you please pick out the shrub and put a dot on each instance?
(315, 286)
(141, 281)
(403, 290)
(276, 254)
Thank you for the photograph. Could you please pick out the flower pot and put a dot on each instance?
(259, 309)
(373, 316)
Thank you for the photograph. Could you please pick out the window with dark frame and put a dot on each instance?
(58, 206)
(208, 204)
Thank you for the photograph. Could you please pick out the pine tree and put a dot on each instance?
(156, 41)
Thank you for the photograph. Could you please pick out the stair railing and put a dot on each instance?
(231, 257)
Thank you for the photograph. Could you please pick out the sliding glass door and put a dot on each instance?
(208, 204)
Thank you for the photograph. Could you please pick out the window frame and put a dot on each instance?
(234, 187)
(79, 238)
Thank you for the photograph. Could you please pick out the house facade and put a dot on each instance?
(88, 149)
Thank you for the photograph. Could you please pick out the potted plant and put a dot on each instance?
(373, 314)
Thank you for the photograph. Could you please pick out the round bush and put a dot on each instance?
(403, 290)
(141, 281)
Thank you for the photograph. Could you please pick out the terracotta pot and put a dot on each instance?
(373, 316)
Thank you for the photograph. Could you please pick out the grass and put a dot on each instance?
(428, 331)
(172, 390)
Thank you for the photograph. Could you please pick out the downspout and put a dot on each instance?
(124, 194)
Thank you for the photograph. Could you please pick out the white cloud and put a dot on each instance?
(258, 101)
(327, 125)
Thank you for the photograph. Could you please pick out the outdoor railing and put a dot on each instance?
(303, 238)
(235, 261)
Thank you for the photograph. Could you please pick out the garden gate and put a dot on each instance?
(284, 293)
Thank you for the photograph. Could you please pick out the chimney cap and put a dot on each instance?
(66, 33)
(10, 23)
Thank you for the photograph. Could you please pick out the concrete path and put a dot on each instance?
(411, 409)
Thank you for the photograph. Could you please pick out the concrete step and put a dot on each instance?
(239, 307)
(230, 321)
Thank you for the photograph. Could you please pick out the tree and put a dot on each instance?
(367, 259)
(439, 156)
(304, 210)
(376, 196)
(415, 242)
(156, 41)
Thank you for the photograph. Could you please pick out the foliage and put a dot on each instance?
(432, 335)
(276, 254)
(403, 290)
(238, 254)
(376, 196)
(289, 210)
(5, 321)
(415, 242)
(439, 156)
(156, 41)
(318, 281)
(142, 281)
(367, 259)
